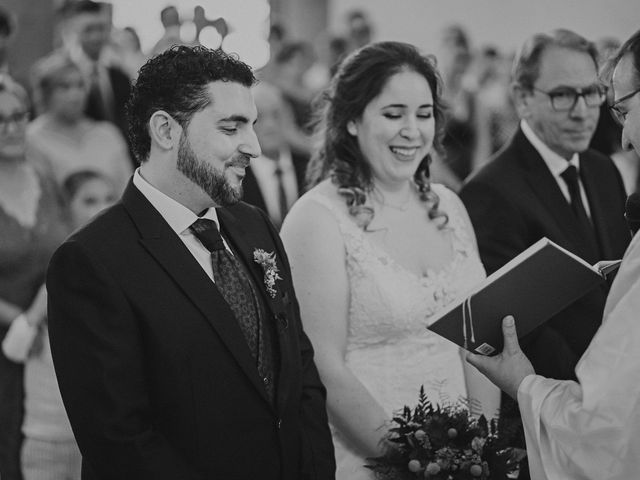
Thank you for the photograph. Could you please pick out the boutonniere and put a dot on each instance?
(268, 263)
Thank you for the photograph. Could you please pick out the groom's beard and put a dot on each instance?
(212, 181)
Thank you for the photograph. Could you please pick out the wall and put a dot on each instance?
(505, 23)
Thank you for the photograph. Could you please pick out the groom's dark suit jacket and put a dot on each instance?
(154, 371)
(514, 201)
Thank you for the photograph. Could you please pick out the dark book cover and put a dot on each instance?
(532, 287)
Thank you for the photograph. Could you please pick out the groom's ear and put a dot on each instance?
(164, 131)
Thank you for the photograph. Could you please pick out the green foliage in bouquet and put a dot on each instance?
(444, 443)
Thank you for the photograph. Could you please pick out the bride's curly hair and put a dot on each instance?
(360, 78)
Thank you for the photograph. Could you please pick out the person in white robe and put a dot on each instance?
(589, 429)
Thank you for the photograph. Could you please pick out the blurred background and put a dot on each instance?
(504, 23)
(295, 45)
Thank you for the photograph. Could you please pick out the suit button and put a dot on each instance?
(282, 318)
(265, 380)
(279, 424)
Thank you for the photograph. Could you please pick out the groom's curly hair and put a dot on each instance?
(176, 81)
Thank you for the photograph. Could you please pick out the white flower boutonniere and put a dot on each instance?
(268, 263)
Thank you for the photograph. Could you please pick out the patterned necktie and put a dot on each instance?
(236, 288)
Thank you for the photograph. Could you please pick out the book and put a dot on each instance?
(533, 287)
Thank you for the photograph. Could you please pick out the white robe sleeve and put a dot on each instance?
(590, 429)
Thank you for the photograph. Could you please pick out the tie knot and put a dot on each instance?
(570, 175)
(207, 232)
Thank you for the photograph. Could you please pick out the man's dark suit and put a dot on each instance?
(513, 201)
(121, 87)
(252, 193)
(154, 369)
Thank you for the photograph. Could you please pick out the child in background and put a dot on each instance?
(88, 192)
(49, 451)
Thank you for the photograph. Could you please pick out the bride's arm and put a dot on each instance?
(316, 252)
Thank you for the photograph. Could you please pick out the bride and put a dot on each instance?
(376, 249)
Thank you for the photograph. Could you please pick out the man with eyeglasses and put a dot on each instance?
(588, 429)
(548, 183)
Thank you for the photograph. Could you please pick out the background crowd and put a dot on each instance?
(65, 155)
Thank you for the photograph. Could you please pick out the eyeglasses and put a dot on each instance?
(565, 99)
(17, 118)
(619, 114)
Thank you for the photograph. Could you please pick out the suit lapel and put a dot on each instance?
(168, 250)
(546, 189)
(599, 202)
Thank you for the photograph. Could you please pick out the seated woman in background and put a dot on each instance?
(376, 249)
(50, 450)
(65, 137)
(32, 225)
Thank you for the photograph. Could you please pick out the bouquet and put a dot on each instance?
(444, 443)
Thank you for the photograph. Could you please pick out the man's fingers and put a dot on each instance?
(478, 361)
(511, 345)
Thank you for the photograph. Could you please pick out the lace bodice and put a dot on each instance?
(390, 303)
(389, 349)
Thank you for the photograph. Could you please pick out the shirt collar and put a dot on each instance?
(179, 217)
(556, 163)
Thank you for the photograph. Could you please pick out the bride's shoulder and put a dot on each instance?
(314, 222)
(320, 206)
(447, 196)
(324, 195)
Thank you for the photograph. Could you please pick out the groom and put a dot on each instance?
(174, 326)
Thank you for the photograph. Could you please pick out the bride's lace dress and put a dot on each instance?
(389, 348)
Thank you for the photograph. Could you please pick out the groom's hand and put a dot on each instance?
(508, 369)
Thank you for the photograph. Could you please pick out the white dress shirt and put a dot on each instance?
(556, 164)
(264, 169)
(179, 219)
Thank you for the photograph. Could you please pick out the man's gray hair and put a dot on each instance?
(526, 65)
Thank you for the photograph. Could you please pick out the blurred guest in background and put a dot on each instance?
(85, 30)
(459, 89)
(49, 451)
(274, 179)
(87, 192)
(171, 23)
(127, 51)
(548, 183)
(65, 137)
(496, 119)
(376, 249)
(291, 64)
(359, 29)
(7, 27)
(277, 37)
(32, 225)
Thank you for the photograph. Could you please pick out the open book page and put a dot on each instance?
(605, 267)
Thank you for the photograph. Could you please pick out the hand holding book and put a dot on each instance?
(533, 287)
